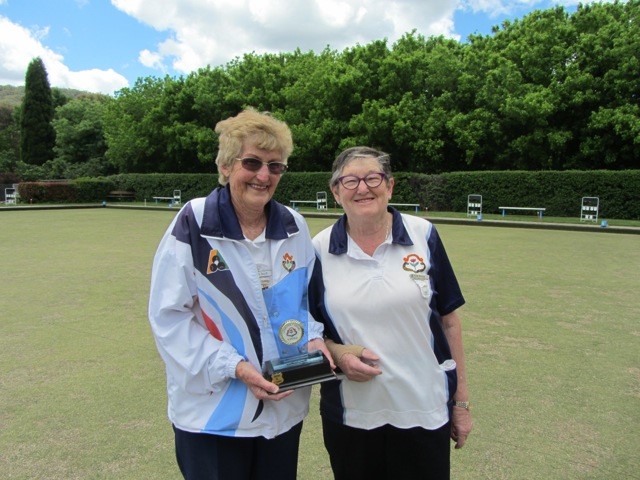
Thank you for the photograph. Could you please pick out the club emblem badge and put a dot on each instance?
(216, 263)
(288, 263)
(413, 263)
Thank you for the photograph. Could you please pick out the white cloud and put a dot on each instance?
(494, 8)
(214, 32)
(497, 7)
(336, 13)
(94, 80)
(197, 33)
(151, 60)
(20, 45)
(40, 33)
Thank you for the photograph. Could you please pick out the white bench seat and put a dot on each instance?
(175, 200)
(320, 202)
(415, 206)
(539, 210)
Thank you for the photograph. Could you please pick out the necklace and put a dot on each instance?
(388, 229)
(369, 243)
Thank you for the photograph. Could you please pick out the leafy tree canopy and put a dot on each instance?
(550, 91)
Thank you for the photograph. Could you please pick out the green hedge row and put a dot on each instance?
(559, 192)
(147, 186)
(39, 192)
(86, 190)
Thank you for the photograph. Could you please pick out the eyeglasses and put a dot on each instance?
(255, 164)
(373, 180)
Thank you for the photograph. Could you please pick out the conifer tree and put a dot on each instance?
(37, 136)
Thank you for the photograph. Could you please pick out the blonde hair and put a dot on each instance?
(260, 129)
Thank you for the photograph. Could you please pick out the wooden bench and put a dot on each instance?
(415, 206)
(539, 210)
(121, 195)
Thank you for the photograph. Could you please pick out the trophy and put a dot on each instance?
(295, 369)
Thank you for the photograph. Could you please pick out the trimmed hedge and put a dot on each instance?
(39, 192)
(303, 186)
(147, 186)
(559, 192)
(93, 189)
(83, 190)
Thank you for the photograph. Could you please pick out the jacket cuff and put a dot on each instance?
(316, 330)
(223, 366)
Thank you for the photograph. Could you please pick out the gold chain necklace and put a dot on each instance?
(386, 234)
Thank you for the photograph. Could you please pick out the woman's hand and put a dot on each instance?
(318, 344)
(261, 388)
(362, 368)
(461, 425)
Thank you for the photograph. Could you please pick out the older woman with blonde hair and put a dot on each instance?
(230, 271)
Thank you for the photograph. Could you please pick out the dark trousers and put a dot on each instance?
(202, 456)
(387, 452)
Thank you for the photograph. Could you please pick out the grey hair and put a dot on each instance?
(353, 153)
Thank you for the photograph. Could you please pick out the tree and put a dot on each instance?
(9, 138)
(79, 133)
(605, 76)
(37, 133)
(552, 91)
(133, 130)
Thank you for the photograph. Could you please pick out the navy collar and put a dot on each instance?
(338, 241)
(220, 219)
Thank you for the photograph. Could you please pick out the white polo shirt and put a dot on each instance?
(391, 303)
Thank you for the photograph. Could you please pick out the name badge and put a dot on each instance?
(422, 281)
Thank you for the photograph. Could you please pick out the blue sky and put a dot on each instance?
(105, 45)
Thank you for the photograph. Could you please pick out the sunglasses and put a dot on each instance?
(255, 164)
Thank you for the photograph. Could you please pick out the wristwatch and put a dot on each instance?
(464, 405)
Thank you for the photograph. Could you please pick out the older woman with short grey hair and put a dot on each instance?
(387, 294)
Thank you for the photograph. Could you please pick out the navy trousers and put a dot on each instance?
(388, 452)
(202, 456)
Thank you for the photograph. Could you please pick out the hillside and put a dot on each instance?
(12, 96)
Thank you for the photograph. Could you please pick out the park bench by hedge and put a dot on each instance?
(176, 199)
(539, 210)
(121, 195)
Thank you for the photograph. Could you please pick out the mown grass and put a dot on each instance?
(550, 325)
